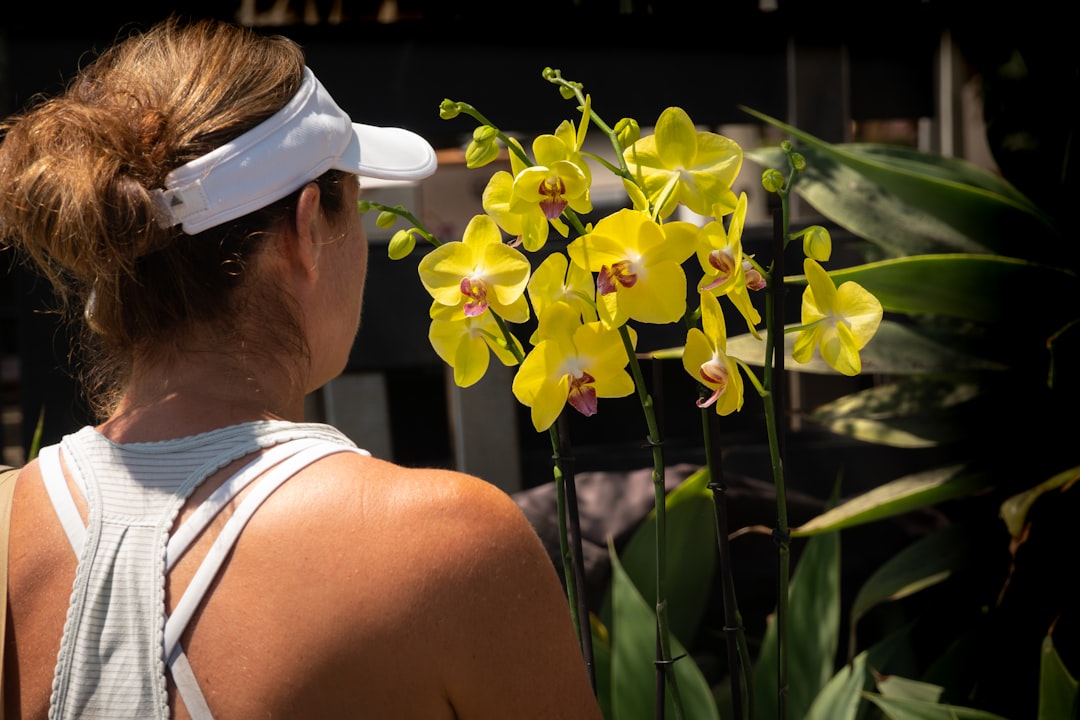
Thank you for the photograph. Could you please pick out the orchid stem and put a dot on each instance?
(734, 633)
(664, 661)
(774, 402)
(570, 541)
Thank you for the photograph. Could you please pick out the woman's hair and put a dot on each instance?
(76, 173)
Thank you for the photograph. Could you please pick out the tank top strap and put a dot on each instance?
(52, 475)
(230, 533)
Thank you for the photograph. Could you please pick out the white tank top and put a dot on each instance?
(117, 639)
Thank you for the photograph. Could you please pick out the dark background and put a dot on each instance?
(823, 66)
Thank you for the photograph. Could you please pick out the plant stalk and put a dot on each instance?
(734, 635)
(576, 590)
(664, 660)
(774, 404)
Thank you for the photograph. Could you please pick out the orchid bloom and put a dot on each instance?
(705, 358)
(524, 221)
(720, 252)
(560, 178)
(679, 164)
(575, 363)
(478, 272)
(725, 268)
(837, 320)
(638, 263)
(556, 279)
(463, 341)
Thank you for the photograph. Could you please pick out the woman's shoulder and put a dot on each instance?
(434, 493)
(443, 510)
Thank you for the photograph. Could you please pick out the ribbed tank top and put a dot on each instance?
(117, 640)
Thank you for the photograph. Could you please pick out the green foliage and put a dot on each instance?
(633, 674)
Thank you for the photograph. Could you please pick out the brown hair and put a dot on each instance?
(75, 178)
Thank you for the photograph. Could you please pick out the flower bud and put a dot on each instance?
(401, 244)
(480, 153)
(484, 133)
(386, 219)
(448, 109)
(772, 180)
(798, 161)
(627, 131)
(363, 206)
(817, 243)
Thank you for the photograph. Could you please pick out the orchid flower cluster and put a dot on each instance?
(628, 267)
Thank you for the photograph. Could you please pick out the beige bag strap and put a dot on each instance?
(7, 492)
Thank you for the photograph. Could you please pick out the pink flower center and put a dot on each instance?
(582, 394)
(609, 278)
(475, 292)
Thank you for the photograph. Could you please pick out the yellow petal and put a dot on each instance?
(676, 139)
(658, 298)
(805, 342)
(696, 353)
(839, 351)
(442, 269)
(860, 310)
(471, 361)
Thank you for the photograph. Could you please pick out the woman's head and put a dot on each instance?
(101, 188)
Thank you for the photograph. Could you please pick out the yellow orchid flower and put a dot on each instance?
(463, 342)
(556, 279)
(679, 164)
(725, 269)
(554, 187)
(638, 263)
(837, 320)
(705, 358)
(524, 221)
(559, 179)
(478, 272)
(720, 251)
(575, 363)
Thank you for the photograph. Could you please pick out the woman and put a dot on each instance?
(203, 551)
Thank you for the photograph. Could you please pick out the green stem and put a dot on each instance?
(734, 633)
(664, 660)
(576, 594)
(564, 542)
(510, 145)
(402, 212)
(772, 383)
(555, 77)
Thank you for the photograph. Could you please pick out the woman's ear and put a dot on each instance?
(309, 227)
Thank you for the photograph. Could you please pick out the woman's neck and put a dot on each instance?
(187, 398)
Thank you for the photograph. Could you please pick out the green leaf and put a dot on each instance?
(813, 631)
(1058, 698)
(917, 411)
(601, 646)
(633, 651)
(839, 699)
(691, 554)
(905, 494)
(895, 686)
(909, 202)
(972, 287)
(907, 709)
(1015, 509)
(895, 349)
(926, 562)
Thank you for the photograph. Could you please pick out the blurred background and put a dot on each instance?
(911, 72)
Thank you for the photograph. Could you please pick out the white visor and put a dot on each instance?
(300, 142)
